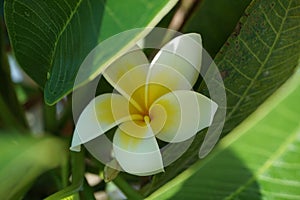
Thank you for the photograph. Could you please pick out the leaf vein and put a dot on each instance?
(268, 21)
(250, 50)
(260, 38)
(93, 24)
(50, 18)
(283, 7)
(277, 14)
(260, 70)
(37, 27)
(36, 36)
(290, 29)
(283, 182)
(280, 151)
(283, 62)
(63, 29)
(295, 8)
(238, 70)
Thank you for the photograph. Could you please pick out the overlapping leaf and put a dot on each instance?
(51, 38)
(259, 160)
(258, 57)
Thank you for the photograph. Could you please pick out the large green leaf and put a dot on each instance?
(259, 160)
(23, 159)
(261, 57)
(51, 38)
(254, 62)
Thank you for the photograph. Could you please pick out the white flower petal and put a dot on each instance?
(184, 54)
(124, 65)
(137, 156)
(132, 86)
(137, 129)
(158, 117)
(163, 79)
(187, 113)
(101, 114)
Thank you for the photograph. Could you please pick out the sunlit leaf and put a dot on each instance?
(255, 61)
(258, 160)
(23, 159)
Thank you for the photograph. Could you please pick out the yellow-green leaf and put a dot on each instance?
(254, 62)
(258, 160)
(24, 158)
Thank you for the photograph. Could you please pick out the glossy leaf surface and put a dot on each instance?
(258, 160)
(254, 62)
(52, 38)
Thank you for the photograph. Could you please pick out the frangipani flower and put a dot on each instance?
(153, 101)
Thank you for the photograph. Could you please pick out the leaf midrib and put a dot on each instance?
(61, 32)
(281, 150)
(262, 65)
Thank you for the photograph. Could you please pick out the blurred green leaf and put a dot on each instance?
(215, 20)
(72, 197)
(23, 159)
(7, 119)
(258, 160)
(254, 62)
(12, 113)
(78, 169)
(51, 38)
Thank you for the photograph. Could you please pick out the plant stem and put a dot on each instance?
(7, 117)
(65, 172)
(50, 120)
(129, 192)
(87, 192)
(78, 169)
(182, 14)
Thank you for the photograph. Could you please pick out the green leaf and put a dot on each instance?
(78, 169)
(254, 62)
(215, 20)
(23, 159)
(51, 38)
(258, 160)
(261, 57)
(12, 113)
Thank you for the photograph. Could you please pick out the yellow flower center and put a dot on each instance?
(141, 101)
(147, 119)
